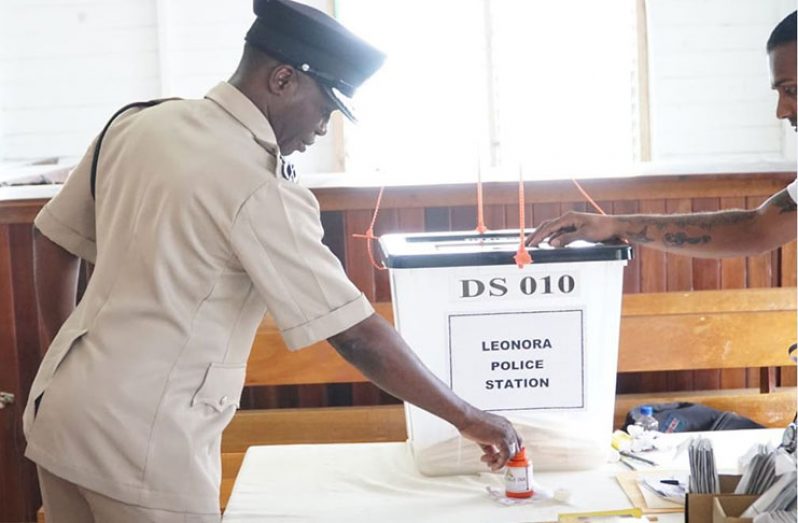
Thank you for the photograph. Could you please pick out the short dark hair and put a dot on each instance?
(784, 33)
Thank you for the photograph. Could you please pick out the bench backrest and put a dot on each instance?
(660, 331)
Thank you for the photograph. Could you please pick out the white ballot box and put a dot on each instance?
(538, 344)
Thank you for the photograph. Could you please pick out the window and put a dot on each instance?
(557, 88)
(544, 85)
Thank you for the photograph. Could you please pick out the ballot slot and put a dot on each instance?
(536, 344)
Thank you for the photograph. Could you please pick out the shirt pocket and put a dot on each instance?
(222, 386)
(59, 348)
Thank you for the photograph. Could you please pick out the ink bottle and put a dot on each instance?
(518, 476)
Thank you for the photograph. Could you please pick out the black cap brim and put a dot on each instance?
(340, 101)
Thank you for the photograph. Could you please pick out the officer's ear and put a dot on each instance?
(283, 80)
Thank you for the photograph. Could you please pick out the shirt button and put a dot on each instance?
(222, 400)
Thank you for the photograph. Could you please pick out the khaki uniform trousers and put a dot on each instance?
(65, 502)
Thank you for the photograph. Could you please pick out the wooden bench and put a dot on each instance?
(747, 328)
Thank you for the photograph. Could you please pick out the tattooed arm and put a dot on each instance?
(704, 235)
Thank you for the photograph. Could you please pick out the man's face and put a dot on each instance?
(783, 80)
(304, 117)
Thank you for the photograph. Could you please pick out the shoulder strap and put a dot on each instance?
(96, 156)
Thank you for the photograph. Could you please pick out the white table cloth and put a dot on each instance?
(378, 482)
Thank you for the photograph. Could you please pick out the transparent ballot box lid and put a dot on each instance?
(467, 249)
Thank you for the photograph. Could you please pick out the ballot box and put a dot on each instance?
(538, 344)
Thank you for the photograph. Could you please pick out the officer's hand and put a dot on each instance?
(495, 435)
(573, 226)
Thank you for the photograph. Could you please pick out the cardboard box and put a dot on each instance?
(699, 508)
(727, 508)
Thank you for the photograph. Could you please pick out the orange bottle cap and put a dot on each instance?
(519, 459)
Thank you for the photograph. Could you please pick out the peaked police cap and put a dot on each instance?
(316, 44)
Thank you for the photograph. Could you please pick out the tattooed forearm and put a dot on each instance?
(640, 236)
(705, 221)
(680, 239)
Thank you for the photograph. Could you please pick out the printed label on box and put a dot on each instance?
(491, 285)
(518, 360)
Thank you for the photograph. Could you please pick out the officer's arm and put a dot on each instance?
(704, 235)
(55, 273)
(377, 350)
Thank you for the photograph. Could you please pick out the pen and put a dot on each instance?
(669, 481)
(638, 458)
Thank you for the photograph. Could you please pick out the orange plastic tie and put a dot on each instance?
(481, 229)
(587, 197)
(522, 256)
(369, 235)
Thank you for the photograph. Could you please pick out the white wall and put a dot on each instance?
(67, 65)
(709, 81)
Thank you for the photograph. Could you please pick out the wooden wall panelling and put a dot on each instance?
(29, 347)
(311, 396)
(787, 278)
(787, 270)
(411, 220)
(387, 221)
(760, 268)
(775, 267)
(506, 193)
(733, 270)
(495, 218)
(512, 215)
(787, 376)
(628, 381)
(759, 273)
(733, 276)
(20, 353)
(357, 264)
(679, 270)
(631, 274)
(12, 499)
(25, 310)
(545, 211)
(463, 218)
(787, 265)
(436, 219)
(653, 267)
(360, 271)
(259, 398)
(706, 276)
(653, 278)
(706, 271)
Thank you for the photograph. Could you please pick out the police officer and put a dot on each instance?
(196, 228)
(713, 234)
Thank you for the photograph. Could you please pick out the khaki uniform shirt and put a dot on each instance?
(195, 233)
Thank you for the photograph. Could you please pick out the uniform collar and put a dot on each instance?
(242, 109)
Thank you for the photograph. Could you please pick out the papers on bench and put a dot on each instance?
(703, 473)
(668, 488)
(781, 496)
(759, 473)
(771, 474)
